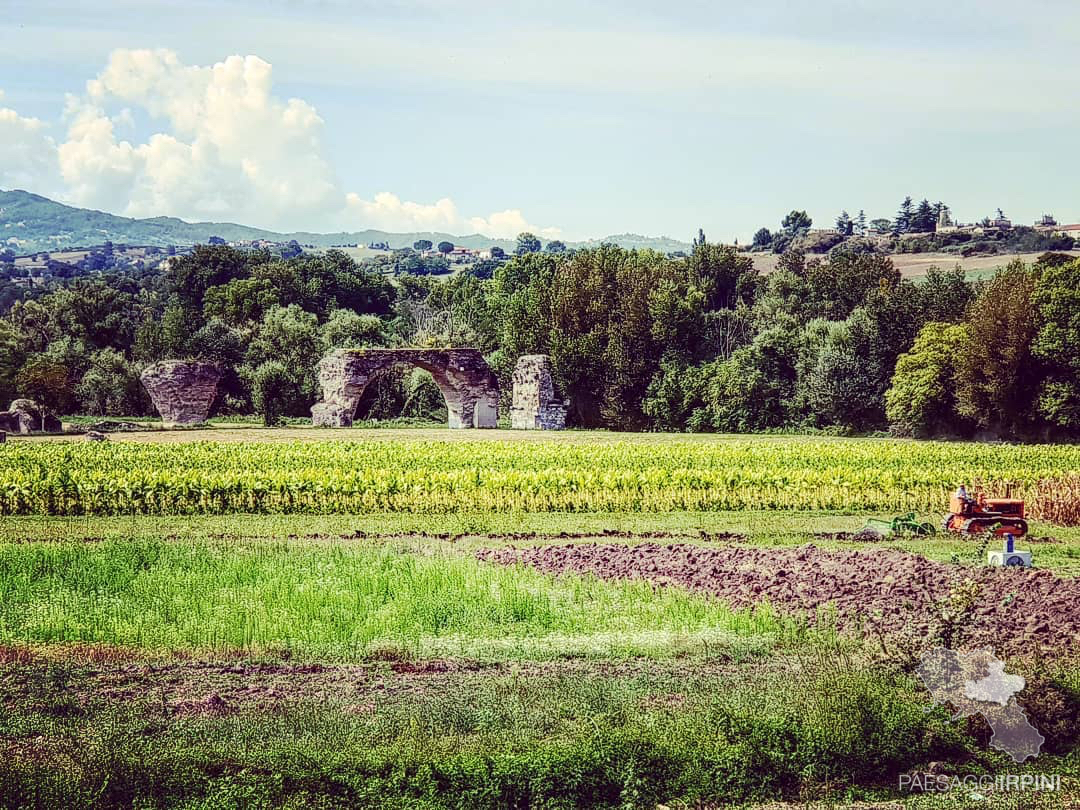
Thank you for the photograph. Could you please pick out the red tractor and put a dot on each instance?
(975, 514)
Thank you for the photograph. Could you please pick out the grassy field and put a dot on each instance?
(365, 657)
(331, 600)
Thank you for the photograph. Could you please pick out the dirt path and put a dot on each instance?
(1015, 611)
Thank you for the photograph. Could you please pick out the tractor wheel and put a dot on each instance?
(946, 525)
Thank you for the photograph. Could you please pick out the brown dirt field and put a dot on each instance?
(883, 592)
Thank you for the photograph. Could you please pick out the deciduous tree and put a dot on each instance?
(527, 243)
(997, 377)
(1056, 301)
(111, 386)
(273, 389)
(45, 380)
(921, 401)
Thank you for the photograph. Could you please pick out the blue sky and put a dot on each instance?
(579, 120)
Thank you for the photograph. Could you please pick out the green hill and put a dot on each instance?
(30, 223)
(631, 241)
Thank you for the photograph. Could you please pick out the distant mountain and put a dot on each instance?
(30, 223)
(631, 241)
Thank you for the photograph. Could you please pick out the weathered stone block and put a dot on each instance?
(181, 390)
(24, 416)
(467, 383)
(535, 406)
(325, 414)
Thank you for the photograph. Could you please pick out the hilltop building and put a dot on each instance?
(1067, 230)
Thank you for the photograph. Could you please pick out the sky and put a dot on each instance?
(574, 120)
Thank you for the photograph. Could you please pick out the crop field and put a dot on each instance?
(439, 477)
(432, 619)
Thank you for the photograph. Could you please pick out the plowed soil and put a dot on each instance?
(882, 591)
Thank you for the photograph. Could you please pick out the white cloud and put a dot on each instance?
(232, 150)
(97, 170)
(509, 223)
(229, 149)
(27, 153)
(388, 212)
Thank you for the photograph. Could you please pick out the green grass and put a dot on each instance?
(346, 600)
(475, 529)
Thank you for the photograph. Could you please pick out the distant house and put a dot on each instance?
(462, 255)
(1068, 230)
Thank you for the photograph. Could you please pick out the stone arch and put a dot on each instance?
(464, 377)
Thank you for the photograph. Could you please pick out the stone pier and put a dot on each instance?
(535, 406)
(181, 390)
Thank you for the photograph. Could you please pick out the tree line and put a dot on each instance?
(638, 340)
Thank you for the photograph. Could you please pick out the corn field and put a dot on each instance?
(1057, 500)
(441, 477)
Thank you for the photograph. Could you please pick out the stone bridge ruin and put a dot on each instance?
(467, 383)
